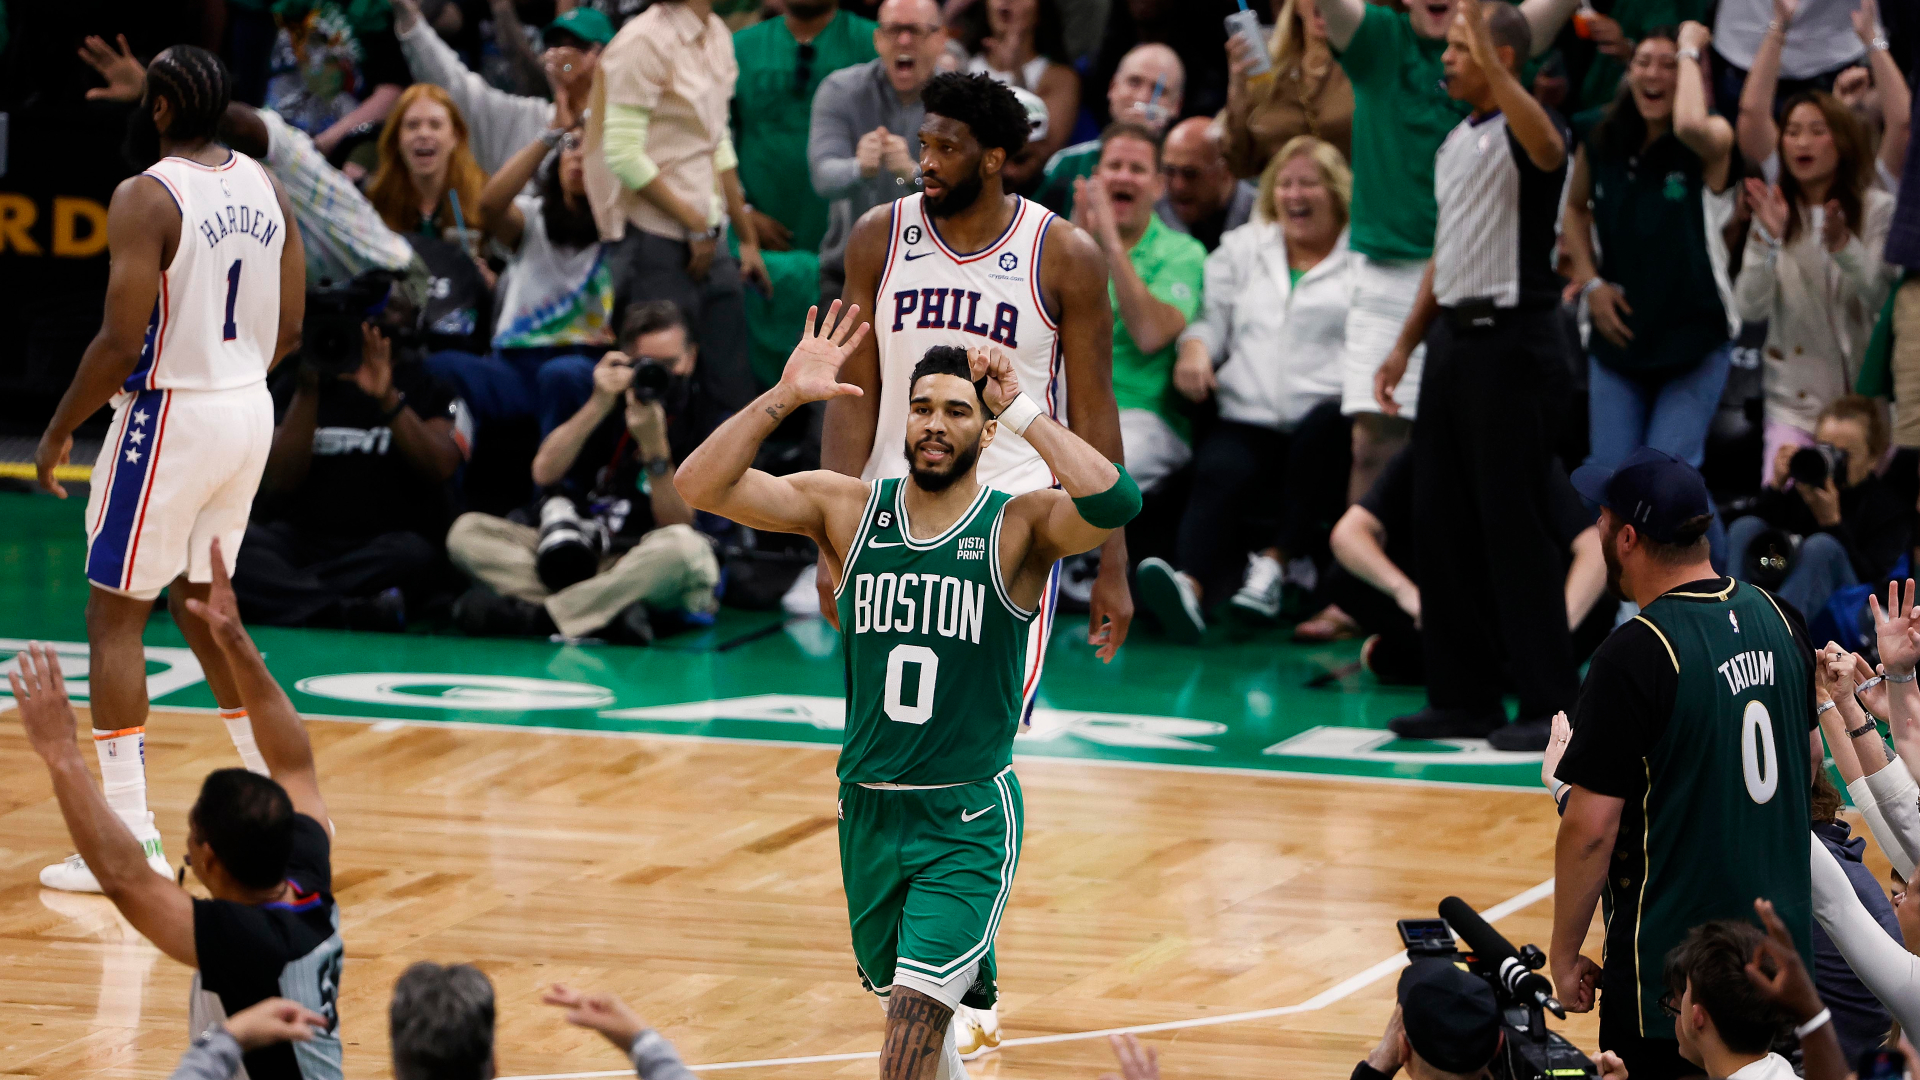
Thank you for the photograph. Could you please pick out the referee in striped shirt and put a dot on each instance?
(1495, 378)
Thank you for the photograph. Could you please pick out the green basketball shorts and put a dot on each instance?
(927, 874)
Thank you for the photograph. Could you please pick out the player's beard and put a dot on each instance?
(959, 465)
(958, 197)
(141, 146)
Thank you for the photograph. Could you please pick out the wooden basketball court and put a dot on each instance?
(699, 880)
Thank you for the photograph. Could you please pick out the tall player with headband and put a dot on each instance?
(205, 293)
(965, 263)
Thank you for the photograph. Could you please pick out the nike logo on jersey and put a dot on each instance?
(877, 543)
(910, 256)
(964, 816)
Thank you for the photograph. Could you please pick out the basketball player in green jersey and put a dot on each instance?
(1687, 771)
(938, 579)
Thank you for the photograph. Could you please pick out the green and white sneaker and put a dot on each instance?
(1170, 595)
(72, 875)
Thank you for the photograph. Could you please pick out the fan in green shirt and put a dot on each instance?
(782, 62)
(1156, 273)
(1401, 112)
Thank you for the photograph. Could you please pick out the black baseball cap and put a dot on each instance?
(1653, 491)
(1450, 1016)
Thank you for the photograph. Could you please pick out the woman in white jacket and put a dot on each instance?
(1267, 346)
(1813, 266)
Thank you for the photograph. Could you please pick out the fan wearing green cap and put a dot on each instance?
(500, 123)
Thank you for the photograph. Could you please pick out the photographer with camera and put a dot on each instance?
(1447, 1027)
(610, 537)
(355, 496)
(1829, 520)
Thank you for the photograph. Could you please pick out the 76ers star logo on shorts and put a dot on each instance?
(912, 235)
(1008, 261)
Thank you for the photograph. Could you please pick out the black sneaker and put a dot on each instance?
(481, 613)
(383, 612)
(1432, 723)
(633, 626)
(1522, 735)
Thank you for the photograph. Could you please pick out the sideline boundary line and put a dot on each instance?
(1343, 989)
(798, 744)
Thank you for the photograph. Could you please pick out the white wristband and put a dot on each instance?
(1019, 414)
(1557, 787)
(1813, 1025)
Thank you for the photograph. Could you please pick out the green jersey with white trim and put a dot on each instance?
(935, 648)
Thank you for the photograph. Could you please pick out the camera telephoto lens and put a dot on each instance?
(570, 546)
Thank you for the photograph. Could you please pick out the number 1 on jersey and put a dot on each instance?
(230, 331)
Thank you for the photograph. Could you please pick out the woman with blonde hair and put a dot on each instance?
(1267, 347)
(1305, 93)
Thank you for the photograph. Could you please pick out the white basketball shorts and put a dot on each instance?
(179, 468)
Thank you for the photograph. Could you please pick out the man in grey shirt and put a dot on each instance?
(863, 145)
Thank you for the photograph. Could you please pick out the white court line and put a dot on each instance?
(389, 724)
(1321, 1000)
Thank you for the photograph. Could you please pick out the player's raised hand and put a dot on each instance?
(813, 369)
(1003, 383)
(40, 693)
(126, 77)
(603, 1013)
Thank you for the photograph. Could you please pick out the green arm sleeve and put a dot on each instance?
(626, 145)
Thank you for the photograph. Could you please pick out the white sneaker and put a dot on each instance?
(72, 875)
(1170, 595)
(976, 1032)
(1259, 595)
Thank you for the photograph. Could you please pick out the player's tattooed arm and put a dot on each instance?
(916, 1030)
(719, 477)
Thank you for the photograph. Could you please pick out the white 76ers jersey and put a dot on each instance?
(931, 295)
(217, 318)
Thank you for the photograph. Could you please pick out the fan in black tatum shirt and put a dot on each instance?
(260, 846)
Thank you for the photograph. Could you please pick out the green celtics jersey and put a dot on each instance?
(935, 647)
(1724, 818)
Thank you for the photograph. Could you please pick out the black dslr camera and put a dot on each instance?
(1813, 465)
(1529, 1051)
(330, 335)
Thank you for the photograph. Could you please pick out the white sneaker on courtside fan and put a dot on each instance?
(1259, 595)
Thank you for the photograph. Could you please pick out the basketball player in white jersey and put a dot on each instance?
(967, 264)
(204, 295)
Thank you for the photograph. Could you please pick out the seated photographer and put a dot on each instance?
(355, 496)
(1372, 588)
(1830, 519)
(611, 542)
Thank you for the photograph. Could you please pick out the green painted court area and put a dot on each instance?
(1240, 705)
